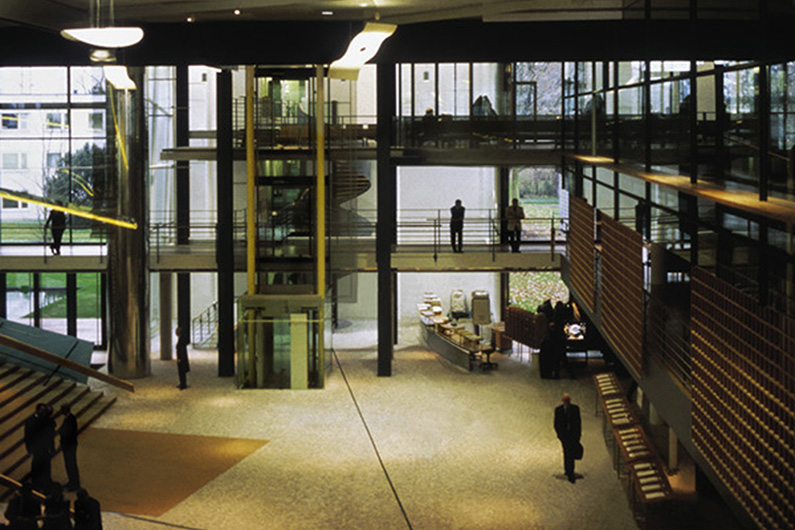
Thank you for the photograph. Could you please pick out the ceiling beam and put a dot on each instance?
(43, 14)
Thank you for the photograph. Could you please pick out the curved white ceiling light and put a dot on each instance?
(103, 33)
(108, 37)
(362, 48)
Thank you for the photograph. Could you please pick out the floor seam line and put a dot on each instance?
(372, 441)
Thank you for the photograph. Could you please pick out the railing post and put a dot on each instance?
(552, 234)
(493, 242)
(437, 232)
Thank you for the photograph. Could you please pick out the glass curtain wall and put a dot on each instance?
(52, 142)
(54, 124)
(466, 105)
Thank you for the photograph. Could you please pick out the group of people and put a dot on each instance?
(40, 432)
(513, 225)
(26, 510)
(552, 355)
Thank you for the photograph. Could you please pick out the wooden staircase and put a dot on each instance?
(20, 391)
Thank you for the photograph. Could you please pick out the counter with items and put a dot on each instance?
(451, 340)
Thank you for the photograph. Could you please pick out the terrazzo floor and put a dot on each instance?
(432, 447)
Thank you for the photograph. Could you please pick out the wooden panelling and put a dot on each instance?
(743, 393)
(621, 293)
(581, 249)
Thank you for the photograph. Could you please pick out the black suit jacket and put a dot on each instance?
(68, 431)
(568, 425)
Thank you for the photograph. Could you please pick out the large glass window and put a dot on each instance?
(52, 143)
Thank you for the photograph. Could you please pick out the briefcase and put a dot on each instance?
(578, 450)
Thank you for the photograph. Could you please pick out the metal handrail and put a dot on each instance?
(205, 322)
(29, 349)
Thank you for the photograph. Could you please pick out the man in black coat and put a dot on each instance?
(183, 365)
(68, 433)
(40, 444)
(568, 428)
(457, 226)
(57, 223)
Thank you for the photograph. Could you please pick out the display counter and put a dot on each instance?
(452, 341)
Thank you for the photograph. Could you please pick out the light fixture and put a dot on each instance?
(327, 13)
(236, 12)
(191, 19)
(103, 33)
(101, 55)
(117, 76)
(107, 37)
(71, 209)
(362, 48)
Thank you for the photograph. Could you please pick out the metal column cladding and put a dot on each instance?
(385, 228)
(128, 271)
(224, 236)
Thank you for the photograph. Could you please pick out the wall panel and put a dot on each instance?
(581, 249)
(621, 292)
(743, 395)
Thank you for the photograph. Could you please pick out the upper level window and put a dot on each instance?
(15, 160)
(10, 121)
(57, 120)
(96, 120)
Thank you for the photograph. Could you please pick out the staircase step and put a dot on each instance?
(13, 378)
(22, 402)
(6, 368)
(22, 387)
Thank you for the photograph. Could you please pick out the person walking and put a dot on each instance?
(68, 434)
(513, 217)
(183, 364)
(568, 427)
(457, 226)
(57, 223)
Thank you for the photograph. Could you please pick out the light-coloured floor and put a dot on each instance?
(434, 447)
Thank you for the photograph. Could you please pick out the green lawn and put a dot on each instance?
(529, 289)
(88, 301)
(33, 232)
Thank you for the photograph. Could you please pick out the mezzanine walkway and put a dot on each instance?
(355, 255)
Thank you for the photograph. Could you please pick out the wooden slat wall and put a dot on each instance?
(743, 393)
(621, 294)
(581, 249)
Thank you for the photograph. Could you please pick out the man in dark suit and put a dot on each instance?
(568, 428)
(40, 444)
(68, 434)
(457, 226)
(183, 364)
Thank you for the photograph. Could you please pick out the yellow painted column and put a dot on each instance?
(320, 188)
(251, 221)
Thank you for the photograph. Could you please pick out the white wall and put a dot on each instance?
(413, 285)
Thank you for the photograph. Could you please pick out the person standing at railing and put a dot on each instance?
(183, 365)
(56, 221)
(513, 217)
(457, 226)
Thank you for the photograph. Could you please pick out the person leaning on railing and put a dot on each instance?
(513, 217)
